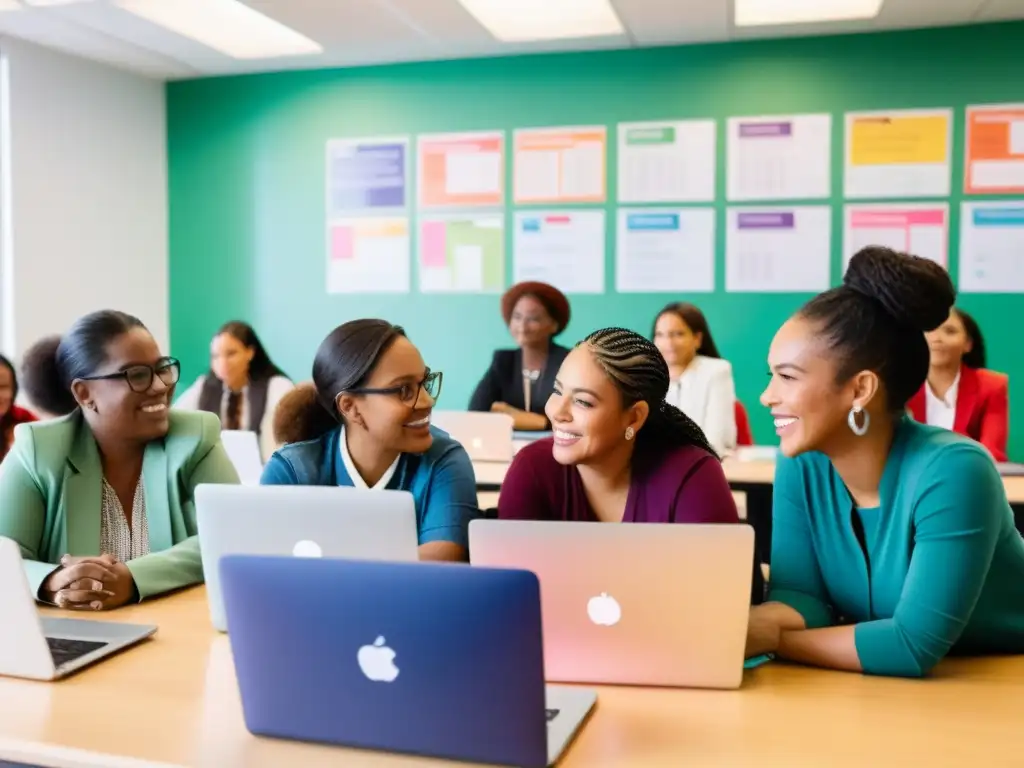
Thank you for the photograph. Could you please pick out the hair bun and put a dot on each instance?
(916, 292)
(42, 379)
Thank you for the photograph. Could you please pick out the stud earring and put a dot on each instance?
(851, 420)
(630, 433)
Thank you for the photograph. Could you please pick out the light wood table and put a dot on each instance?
(174, 701)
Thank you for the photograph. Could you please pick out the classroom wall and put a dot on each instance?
(85, 199)
(247, 181)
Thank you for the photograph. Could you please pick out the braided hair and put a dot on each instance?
(639, 372)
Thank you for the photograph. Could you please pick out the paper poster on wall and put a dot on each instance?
(779, 158)
(899, 153)
(367, 176)
(462, 253)
(920, 229)
(368, 255)
(461, 169)
(563, 248)
(667, 162)
(778, 249)
(994, 150)
(992, 247)
(560, 165)
(665, 250)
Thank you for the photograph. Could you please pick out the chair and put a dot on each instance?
(743, 434)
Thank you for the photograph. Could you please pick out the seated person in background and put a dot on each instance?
(893, 541)
(959, 393)
(243, 386)
(100, 501)
(519, 381)
(10, 414)
(366, 424)
(620, 453)
(701, 382)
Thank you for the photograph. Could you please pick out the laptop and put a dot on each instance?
(50, 648)
(634, 604)
(432, 659)
(243, 448)
(302, 521)
(487, 437)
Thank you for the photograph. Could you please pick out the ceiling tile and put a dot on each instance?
(661, 22)
(1000, 10)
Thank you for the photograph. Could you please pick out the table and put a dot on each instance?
(181, 685)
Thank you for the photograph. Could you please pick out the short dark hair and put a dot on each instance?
(52, 364)
(343, 362)
(976, 358)
(261, 367)
(640, 373)
(695, 321)
(876, 320)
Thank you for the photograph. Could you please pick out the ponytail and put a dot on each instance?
(668, 427)
(43, 380)
(300, 416)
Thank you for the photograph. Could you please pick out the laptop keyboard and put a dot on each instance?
(552, 714)
(64, 651)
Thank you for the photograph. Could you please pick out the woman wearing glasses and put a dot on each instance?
(365, 423)
(100, 501)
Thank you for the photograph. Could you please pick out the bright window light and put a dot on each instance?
(750, 13)
(233, 28)
(523, 20)
(9, 5)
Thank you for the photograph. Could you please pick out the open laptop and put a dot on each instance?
(433, 659)
(487, 437)
(243, 448)
(636, 604)
(303, 521)
(50, 648)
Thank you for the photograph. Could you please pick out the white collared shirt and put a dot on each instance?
(941, 412)
(706, 393)
(357, 479)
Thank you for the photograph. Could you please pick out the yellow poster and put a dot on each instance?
(894, 140)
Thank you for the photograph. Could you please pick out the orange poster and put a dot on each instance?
(461, 169)
(994, 149)
(560, 165)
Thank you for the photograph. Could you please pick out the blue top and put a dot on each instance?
(441, 480)
(941, 567)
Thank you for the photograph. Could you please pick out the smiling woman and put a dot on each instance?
(100, 501)
(365, 423)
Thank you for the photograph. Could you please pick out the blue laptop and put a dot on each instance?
(439, 660)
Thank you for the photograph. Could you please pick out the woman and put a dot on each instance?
(10, 414)
(893, 541)
(701, 382)
(100, 501)
(243, 386)
(519, 381)
(366, 423)
(959, 393)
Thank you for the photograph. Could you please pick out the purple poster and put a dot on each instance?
(366, 175)
(773, 220)
(765, 130)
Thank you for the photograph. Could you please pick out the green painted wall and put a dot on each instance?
(247, 180)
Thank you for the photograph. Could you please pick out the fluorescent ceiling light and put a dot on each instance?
(522, 20)
(750, 13)
(228, 26)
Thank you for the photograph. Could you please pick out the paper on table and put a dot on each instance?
(992, 247)
(920, 229)
(563, 248)
(899, 153)
(994, 150)
(461, 169)
(368, 255)
(367, 175)
(667, 162)
(779, 158)
(778, 249)
(560, 165)
(462, 253)
(665, 250)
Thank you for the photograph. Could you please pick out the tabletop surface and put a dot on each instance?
(174, 701)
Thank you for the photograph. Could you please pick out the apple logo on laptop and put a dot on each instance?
(377, 661)
(307, 548)
(604, 610)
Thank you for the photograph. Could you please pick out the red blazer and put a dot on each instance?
(18, 416)
(743, 434)
(982, 408)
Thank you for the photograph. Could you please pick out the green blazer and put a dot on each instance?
(51, 491)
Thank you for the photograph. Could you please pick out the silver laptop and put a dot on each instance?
(243, 448)
(50, 648)
(635, 604)
(300, 520)
(486, 437)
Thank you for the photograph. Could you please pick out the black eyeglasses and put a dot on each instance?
(407, 393)
(140, 377)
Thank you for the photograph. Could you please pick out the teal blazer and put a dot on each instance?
(51, 491)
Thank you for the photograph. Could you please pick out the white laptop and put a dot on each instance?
(243, 448)
(635, 604)
(50, 648)
(486, 437)
(300, 520)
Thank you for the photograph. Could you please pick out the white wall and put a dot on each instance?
(84, 195)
